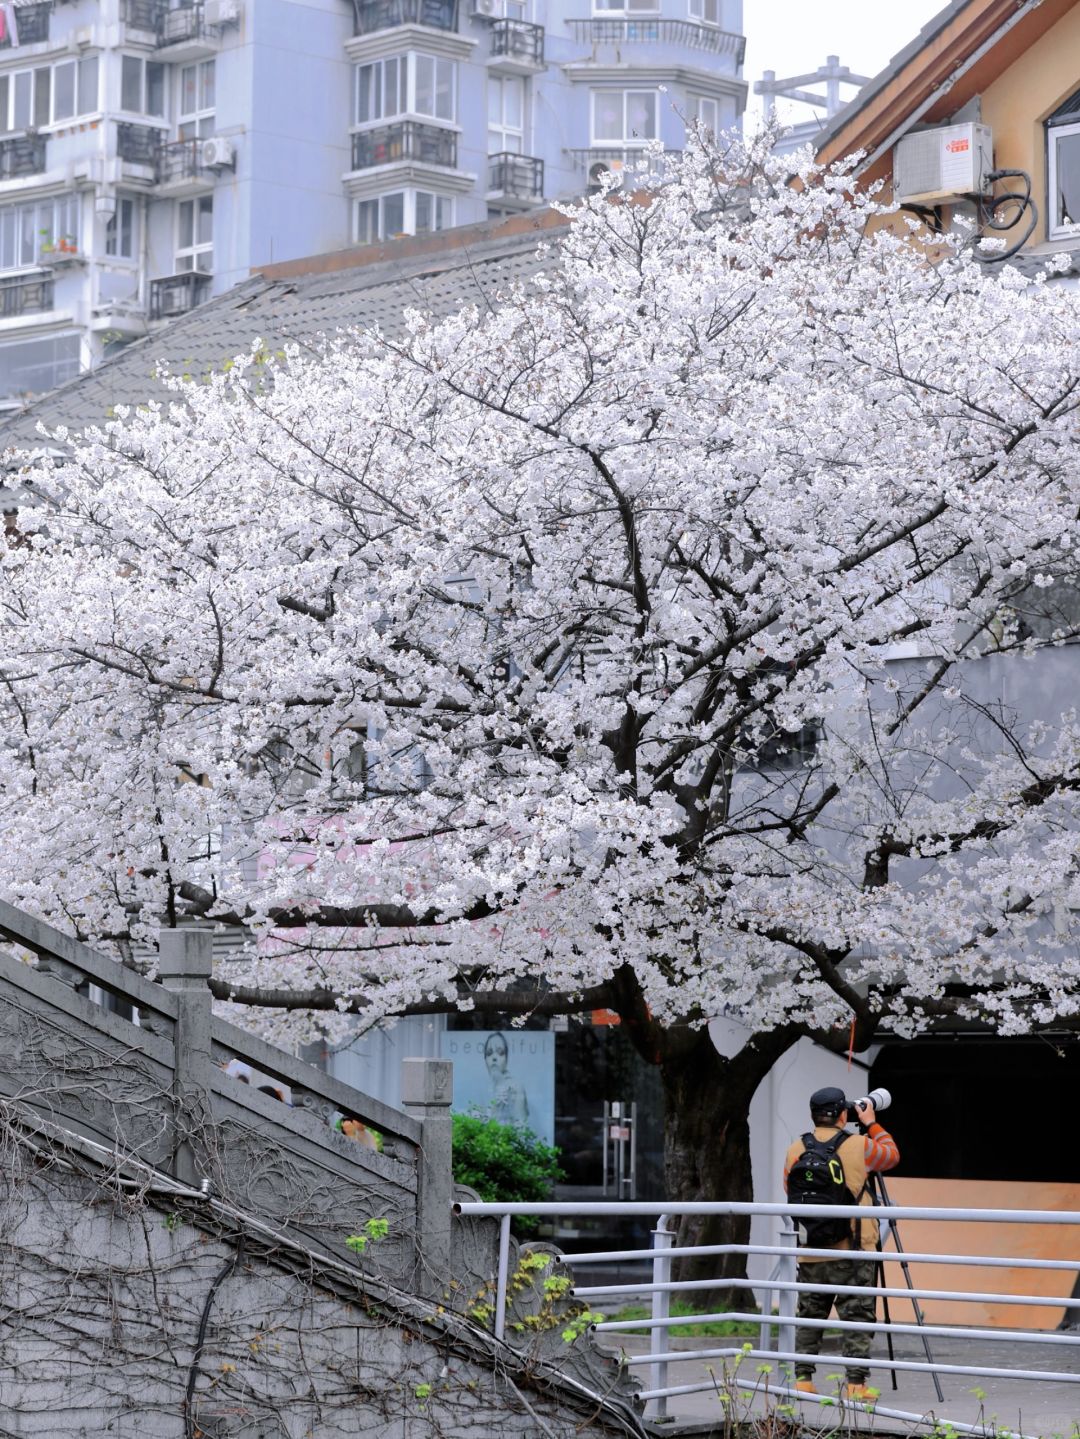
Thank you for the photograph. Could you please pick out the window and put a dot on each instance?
(195, 235)
(33, 231)
(48, 94)
(625, 7)
(142, 86)
(706, 112)
(195, 107)
(120, 231)
(411, 84)
(625, 116)
(506, 115)
(31, 367)
(706, 10)
(402, 212)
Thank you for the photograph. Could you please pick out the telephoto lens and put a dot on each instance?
(879, 1098)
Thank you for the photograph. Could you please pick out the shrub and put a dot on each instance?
(504, 1163)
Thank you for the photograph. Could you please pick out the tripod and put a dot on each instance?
(875, 1184)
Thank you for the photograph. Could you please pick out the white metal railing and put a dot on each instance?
(784, 1283)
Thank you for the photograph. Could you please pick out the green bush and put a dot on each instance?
(504, 1163)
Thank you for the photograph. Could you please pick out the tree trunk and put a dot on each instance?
(707, 1151)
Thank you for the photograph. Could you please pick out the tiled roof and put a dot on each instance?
(338, 292)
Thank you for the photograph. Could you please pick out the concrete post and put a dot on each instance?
(427, 1090)
(184, 966)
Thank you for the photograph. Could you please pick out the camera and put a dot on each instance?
(879, 1098)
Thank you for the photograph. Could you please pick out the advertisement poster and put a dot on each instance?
(505, 1074)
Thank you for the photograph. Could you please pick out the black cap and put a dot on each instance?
(828, 1099)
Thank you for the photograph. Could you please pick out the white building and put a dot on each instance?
(153, 151)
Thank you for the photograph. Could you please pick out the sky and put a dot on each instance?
(793, 37)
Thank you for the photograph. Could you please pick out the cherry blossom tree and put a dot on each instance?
(667, 638)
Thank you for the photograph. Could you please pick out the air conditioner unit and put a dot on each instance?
(221, 12)
(217, 153)
(486, 9)
(933, 165)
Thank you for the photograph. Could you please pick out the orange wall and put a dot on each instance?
(1027, 1241)
(1016, 104)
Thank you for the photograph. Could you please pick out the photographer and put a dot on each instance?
(830, 1166)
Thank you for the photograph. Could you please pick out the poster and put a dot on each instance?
(505, 1074)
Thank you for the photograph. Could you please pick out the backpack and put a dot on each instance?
(817, 1177)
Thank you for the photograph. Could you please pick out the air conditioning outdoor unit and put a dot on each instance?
(486, 9)
(221, 12)
(933, 165)
(217, 153)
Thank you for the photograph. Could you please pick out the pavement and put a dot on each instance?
(1040, 1409)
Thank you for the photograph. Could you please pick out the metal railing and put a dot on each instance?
(177, 294)
(25, 294)
(784, 1285)
(138, 144)
(520, 176)
(373, 15)
(177, 26)
(22, 155)
(405, 140)
(31, 25)
(179, 160)
(657, 30)
(518, 40)
(142, 14)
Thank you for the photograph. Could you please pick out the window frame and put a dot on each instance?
(499, 83)
(409, 198)
(202, 120)
(626, 142)
(198, 247)
(617, 9)
(1054, 133)
(411, 110)
(143, 107)
(64, 207)
(695, 9)
(696, 102)
(38, 121)
(115, 226)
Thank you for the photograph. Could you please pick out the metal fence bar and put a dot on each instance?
(500, 1283)
(788, 1266)
(963, 1296)
(988, 1261)
(907, 1366)
(639, 1209)
(662, 1239)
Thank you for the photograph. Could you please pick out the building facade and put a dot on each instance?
(153, 152)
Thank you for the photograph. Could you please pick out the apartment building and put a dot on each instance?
(153, 151)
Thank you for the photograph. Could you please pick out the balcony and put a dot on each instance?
(143, 14)
(22, 155)
(517, 47)
(515, 177)
(139, 144)
(374, 15)
(25, 295)
(407, 140)
(177, 294)
(598, 159)
(31, 25)
(179, 166)
(659, 31)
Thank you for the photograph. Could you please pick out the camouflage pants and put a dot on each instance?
(858, 1308)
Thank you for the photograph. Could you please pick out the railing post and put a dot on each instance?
(184, 965)
(788, 1267)
(502, 1276)
(659, 1338)
(427, 1091)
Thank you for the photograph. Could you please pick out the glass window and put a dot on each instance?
(32, 231)
(64, 91)
(88, 84)
(24, 93)
(619, 7)
(433, 212)
(5, 92)
(506, 115)
(195, 235)
(1064, 166)
(120, 231)
(31, 367)
(195, 118)
(155, 88)
(404, 84)
(402, 212)
(131, 84)
(628, 116)
(706, 112)
(705, 10)
(42, 95)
